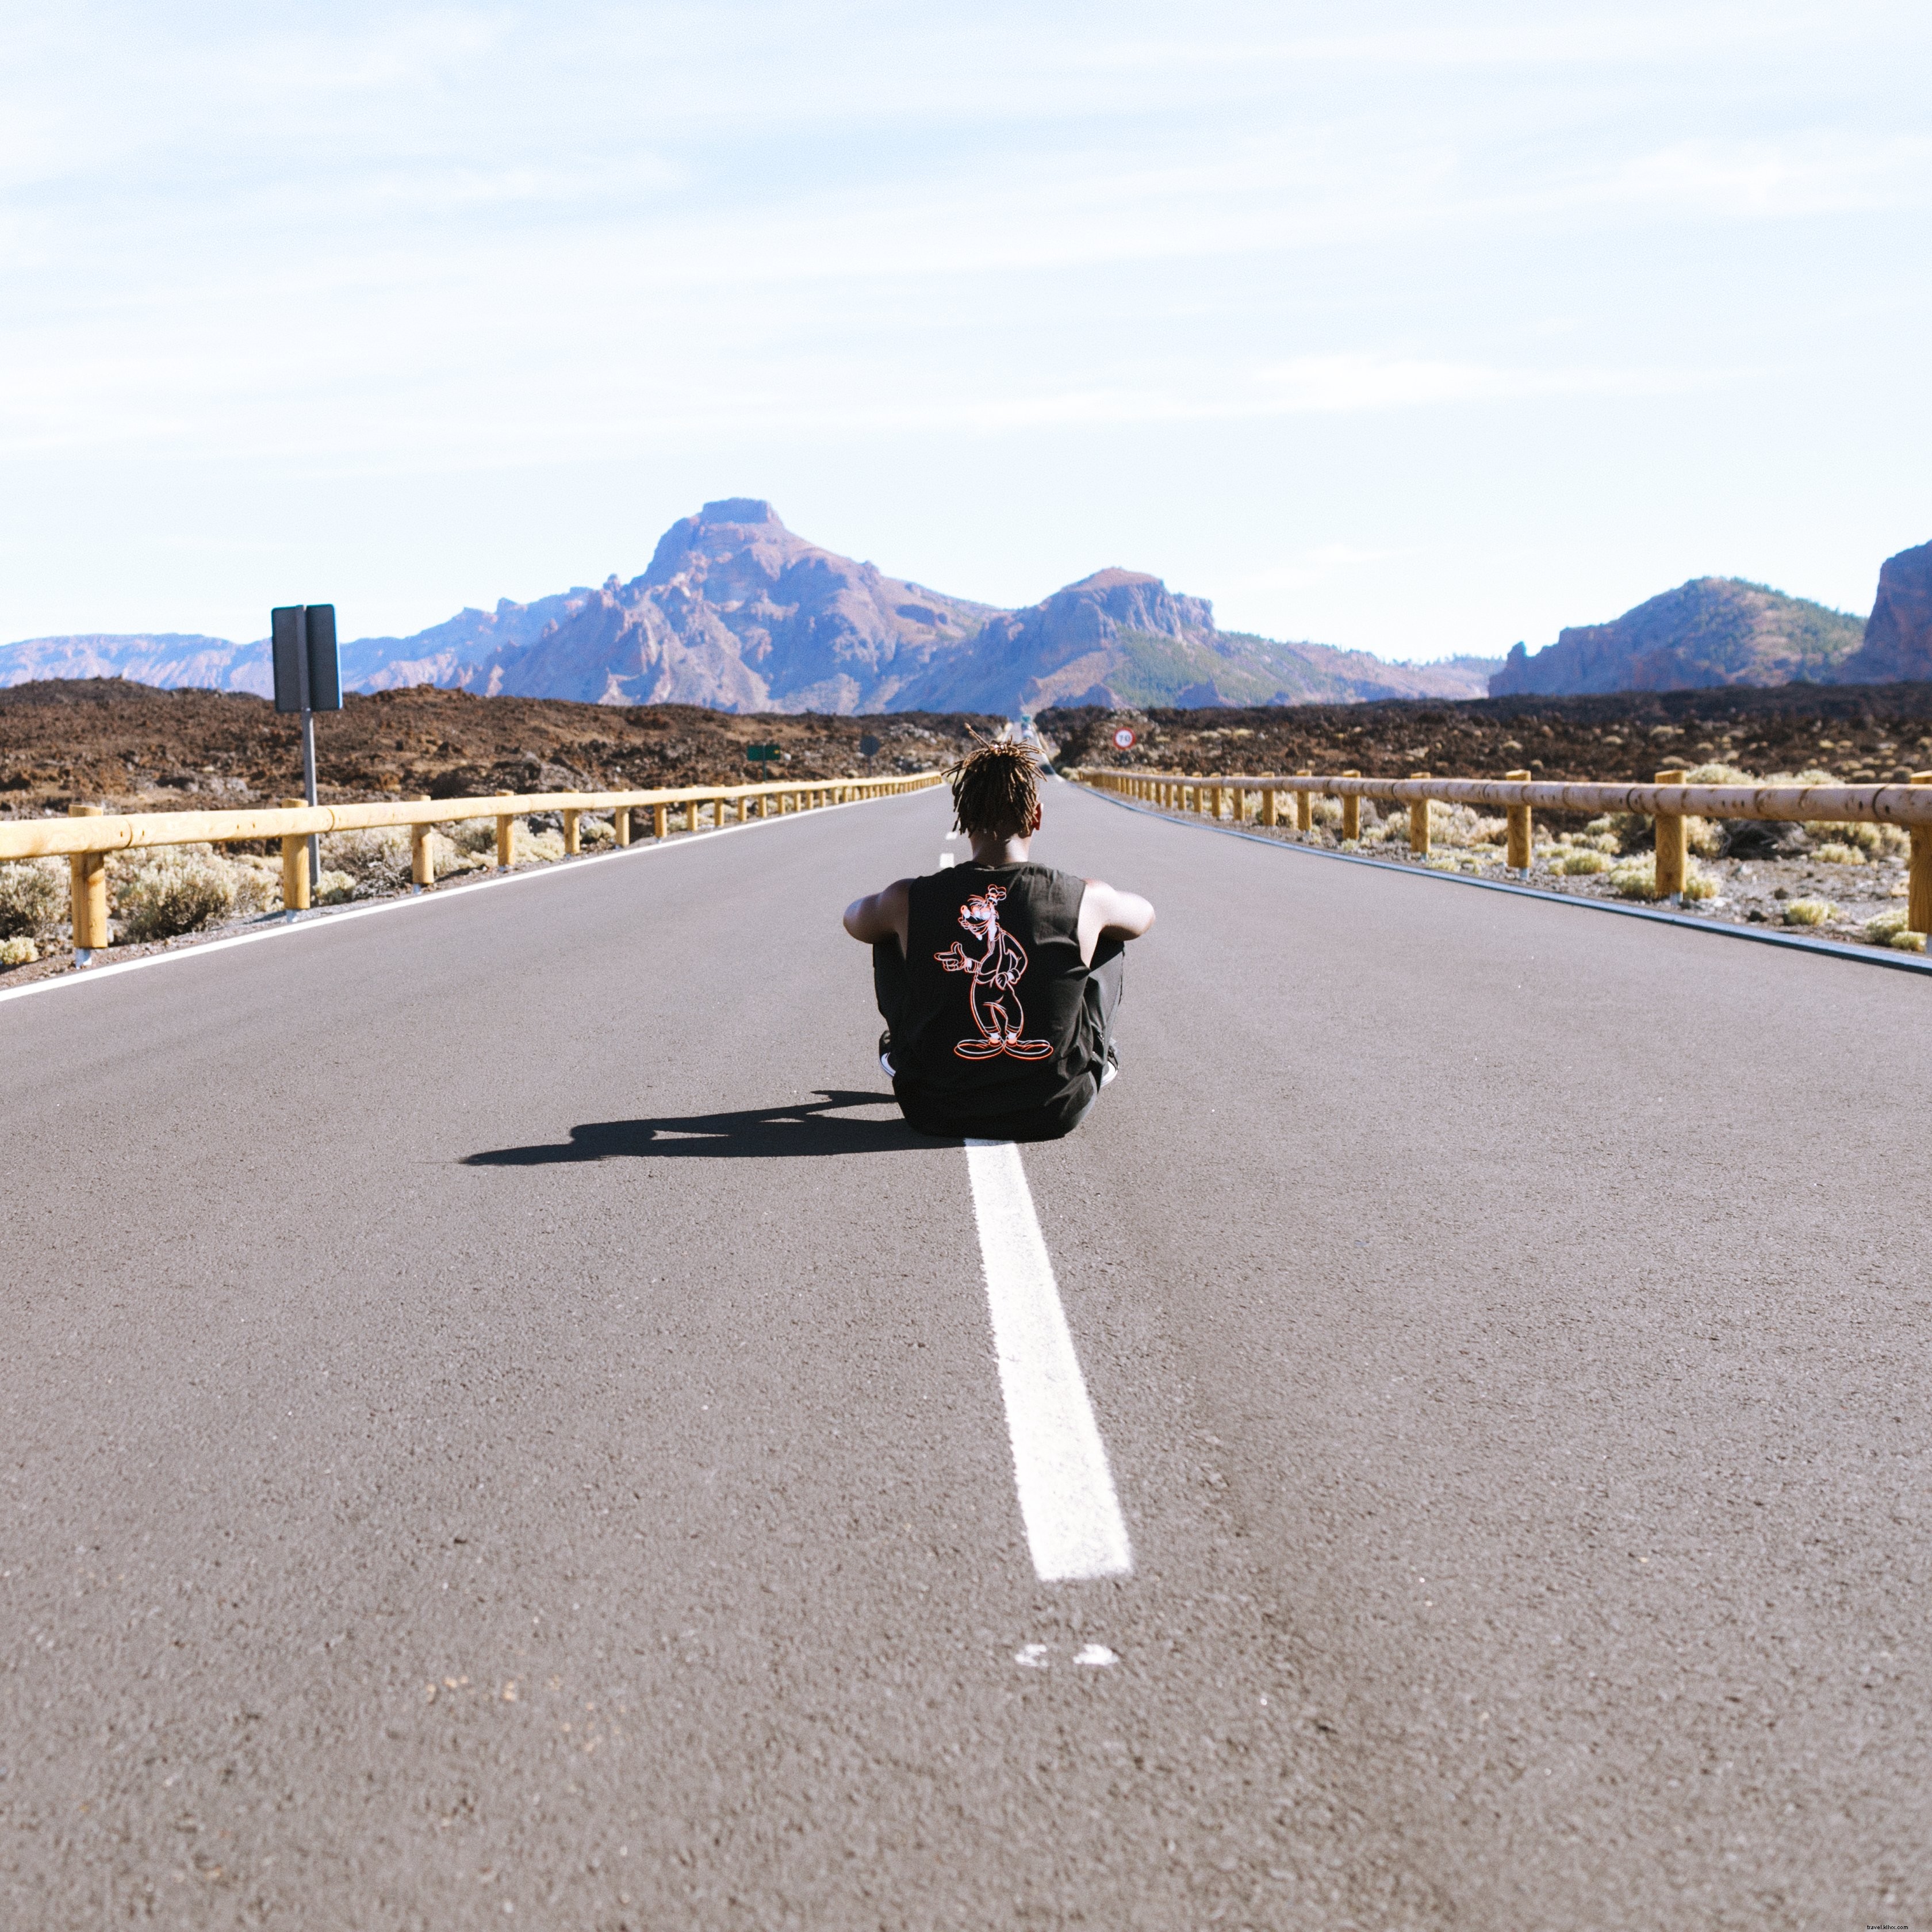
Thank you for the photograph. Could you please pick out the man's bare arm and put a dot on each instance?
(1108, 912)
(881, 915)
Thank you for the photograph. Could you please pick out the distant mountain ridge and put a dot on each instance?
(1716, 631)
(739, 613)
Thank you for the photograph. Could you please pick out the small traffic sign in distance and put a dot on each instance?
(1123, 739)
(760, 754)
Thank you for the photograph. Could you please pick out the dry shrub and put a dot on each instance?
(475, 835)
(18, 951)
(1717, 775)
(1810, 912)
(1698, 885)
(33, 897)
(1903, 941)
(475, 840)
(1836, 854)
(1704, 837)
(1580, 862)
(1635, 878)
(375, 860)
(163, 893)
(1880, 929)
(1619, 831)
(1859, 839)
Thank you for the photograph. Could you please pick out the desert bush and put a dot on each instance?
(1903, 941)
(1704, 837)
(1579, 861)
(1620, 832)
(1717, 775)
(174, 890)
(1859, 839)
(1836, 854)
(592, 832)
(475, 835)
(1810, 912)
(1635, 878)
(375, 859)
(1880, 928)
(33, 897)
(476, 838)
(18, 951)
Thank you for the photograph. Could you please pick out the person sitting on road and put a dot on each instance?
(997, 979)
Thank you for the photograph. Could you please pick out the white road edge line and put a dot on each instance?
(323, 921)
(1073, 1525)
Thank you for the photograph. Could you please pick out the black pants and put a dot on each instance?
(1104, 979)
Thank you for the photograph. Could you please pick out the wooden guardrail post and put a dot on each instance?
(1270, 808)
(1918, 882)
(87, 895)
(1673, 850)
(1304, 804)
(661, 821)
(620, 825)
(1516, 855)
(296, 895)
(1351, 811)
(506, 827)
(1418, 822)
(422, 854)
(572, 843)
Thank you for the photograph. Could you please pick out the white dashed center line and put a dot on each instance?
(1072, 1517)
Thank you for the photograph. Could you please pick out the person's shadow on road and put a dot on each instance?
(756, 1133)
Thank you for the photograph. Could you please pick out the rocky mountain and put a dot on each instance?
(737, 612)
(1713, 631)
(1898, 634)
(1121, 638)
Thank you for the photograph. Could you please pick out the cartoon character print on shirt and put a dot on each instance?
(993, 995)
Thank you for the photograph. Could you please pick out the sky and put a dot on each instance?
(1417, 327)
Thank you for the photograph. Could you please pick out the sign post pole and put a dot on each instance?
(308, 792)
(308, 678)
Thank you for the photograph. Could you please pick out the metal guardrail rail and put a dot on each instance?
(1669, 801)
(87, 835)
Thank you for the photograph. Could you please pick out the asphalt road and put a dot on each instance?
(500, 1424)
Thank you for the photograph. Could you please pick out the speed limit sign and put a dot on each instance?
(1123, 739)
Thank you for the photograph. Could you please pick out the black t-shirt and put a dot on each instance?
(999, 1040)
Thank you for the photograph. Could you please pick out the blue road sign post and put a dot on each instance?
(308, 678)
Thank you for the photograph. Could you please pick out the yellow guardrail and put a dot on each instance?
(86, 836)
(1669, 800)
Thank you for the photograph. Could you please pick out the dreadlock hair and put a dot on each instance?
(995, 793)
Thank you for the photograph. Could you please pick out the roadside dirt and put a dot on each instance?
(1865, 733)
(130, 747)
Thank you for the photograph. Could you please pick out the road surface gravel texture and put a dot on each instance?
(501, 1424)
